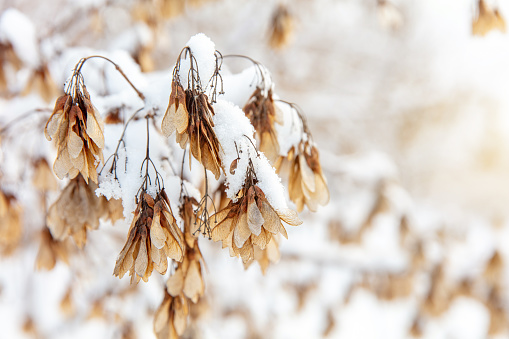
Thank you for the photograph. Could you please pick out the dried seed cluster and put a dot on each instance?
(170, 319)
(77, 129)
(307, 185)
(76, 210)
(190, 114)
(263, 114)
(185, 287)
(153, 238)
(250, 221)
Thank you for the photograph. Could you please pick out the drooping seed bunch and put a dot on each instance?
(262, 113)
(306, 183)
(187, 278)
(77, 210)
(190, 113)
(170, 319)
(186, 286)
(153, 237)
(77, 129)
(250, 221)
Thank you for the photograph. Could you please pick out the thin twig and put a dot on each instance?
(117, 67)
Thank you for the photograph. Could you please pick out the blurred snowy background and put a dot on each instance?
(409, 111)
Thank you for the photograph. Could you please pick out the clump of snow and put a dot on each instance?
(467, 259)
(204, 60)
(233, 129)
(239, 87)
(291, 131)
(131, 154)
(109, 187)
(235, 134)
(17, 29)
(269, 182)
(157, 93)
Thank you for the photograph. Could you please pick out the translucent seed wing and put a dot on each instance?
(175, 283)
(242, 231)
(308, 177)
(193, 285)
(289, 216)
(254, 218)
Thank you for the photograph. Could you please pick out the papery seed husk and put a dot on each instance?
(177, 244)
(52, 125)
(222, 229)
(162, 314)
(45, 258)
(123, 263)
(168, 125)
(193, 284)
(271, 218)
(157, 235)
(309, 199)
(55, 118)
(282, 230)
(228, 242)
(180, 315)
(55, 222)
(254, 216)
(141, 263)
(289, 216)
(74, 144)
(308, 177)
(62, 164)
(159, 259)
(247, 251)
(175, 251)
(95, 131)
(241, 232)
(80, 237)
(322, 191)
(175, 283)
(261, 240)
